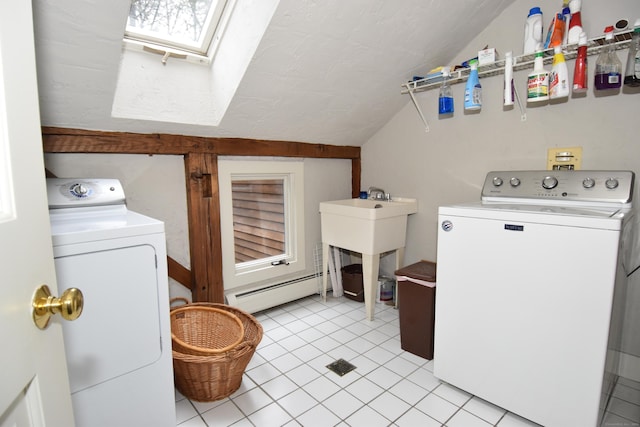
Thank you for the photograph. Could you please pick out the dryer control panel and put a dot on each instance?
(74, 192)
(589, 187)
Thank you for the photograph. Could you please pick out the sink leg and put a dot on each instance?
(399, 265)
(370, 265)
(325, 267)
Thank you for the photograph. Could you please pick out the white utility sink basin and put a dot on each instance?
(365, 225)
(370, 227)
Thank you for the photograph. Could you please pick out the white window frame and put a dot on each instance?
(201, 52)
(260, 271)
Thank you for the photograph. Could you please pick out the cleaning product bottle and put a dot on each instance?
(555, 35)
(445, 100)
(566, 12)
(559, 76)
(473, 90)
(538, 81)
(608, 65)
(508, 79)
(533, 31)
(575, 23)
(580, 79)
(632, 73)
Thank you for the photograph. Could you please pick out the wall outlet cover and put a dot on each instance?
(565, 158)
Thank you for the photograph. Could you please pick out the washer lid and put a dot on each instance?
(573, 210)
(608, 218)
(87, 192)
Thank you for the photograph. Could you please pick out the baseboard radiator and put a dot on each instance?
(269, 296)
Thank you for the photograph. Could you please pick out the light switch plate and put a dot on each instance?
(566, 158)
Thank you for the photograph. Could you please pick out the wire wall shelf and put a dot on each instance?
(622, 40)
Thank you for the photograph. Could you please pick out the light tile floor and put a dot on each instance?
(287, 382)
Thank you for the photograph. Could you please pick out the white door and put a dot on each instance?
(34, 386)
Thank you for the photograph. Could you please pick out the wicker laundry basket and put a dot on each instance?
(214, 377)
(204, 331)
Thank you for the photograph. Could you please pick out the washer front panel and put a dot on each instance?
(579, 187)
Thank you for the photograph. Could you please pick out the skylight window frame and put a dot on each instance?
(202, 51)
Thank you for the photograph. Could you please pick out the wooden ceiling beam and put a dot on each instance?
(62, 140)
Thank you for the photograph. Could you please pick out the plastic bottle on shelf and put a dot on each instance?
(575, 23)
(473, 90)
(538, 81)
(533, 30)
(580, 79)
(566, 12)
(608, 65)
(555, 35)
(559, 76)
(445, 99)
(508, 79)
(632, 73)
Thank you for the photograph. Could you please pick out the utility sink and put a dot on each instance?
(370, 227)
(365, 225)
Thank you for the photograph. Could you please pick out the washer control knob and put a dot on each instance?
(79, 190)
(514, 182)
(588, 183)
(497, 181)
(611, 183)
(549, 182)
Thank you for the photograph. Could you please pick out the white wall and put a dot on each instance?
(449, 163)
(155, 186)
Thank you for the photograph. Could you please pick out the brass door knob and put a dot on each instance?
(69, 305)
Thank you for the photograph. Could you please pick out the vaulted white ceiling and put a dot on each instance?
(325, 71)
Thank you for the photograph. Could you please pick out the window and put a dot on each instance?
(178, 28)
(262, 220)
(258, 219)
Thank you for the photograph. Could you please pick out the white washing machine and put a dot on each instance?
(119, 350)
(531, 292)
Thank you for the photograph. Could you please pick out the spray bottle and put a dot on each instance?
(575, 23)
(473, 90)
(538, 81)
(608, 65)
(445, 99)
(580, 79)
(508, 79)
(559, 76)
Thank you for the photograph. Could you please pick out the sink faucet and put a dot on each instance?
(378, 194)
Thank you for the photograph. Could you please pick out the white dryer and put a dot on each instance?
(119, 349)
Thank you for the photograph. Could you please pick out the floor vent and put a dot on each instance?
(341, 367)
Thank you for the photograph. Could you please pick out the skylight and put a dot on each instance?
(178, 28)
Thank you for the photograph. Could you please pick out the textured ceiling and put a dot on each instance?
(326, 71)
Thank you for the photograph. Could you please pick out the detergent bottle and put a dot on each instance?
(538, 81)
(559, 76)
(533, 31)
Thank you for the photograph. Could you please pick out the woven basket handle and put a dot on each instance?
(176, 299)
